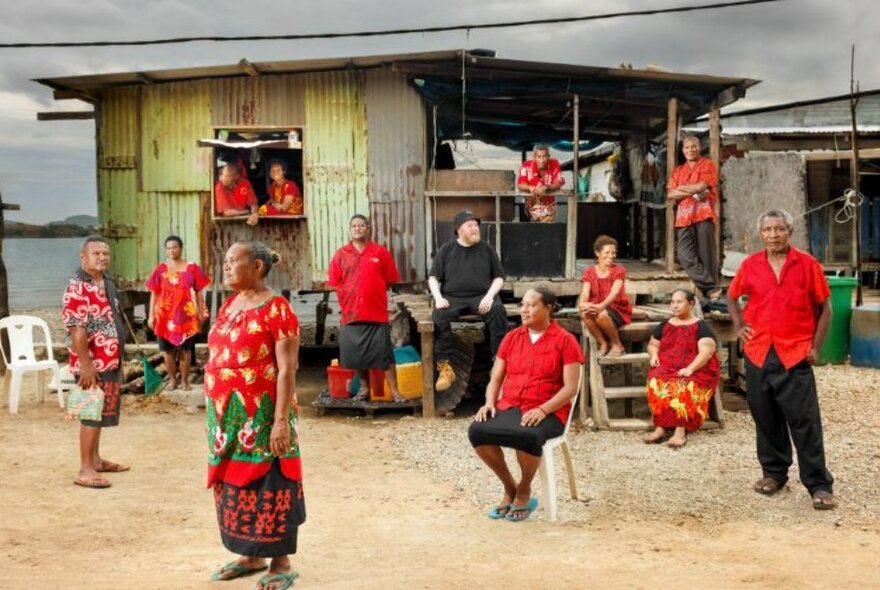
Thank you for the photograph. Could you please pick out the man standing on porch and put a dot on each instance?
(465, 278)
(541, 178)
(693, 186)
(362, 271)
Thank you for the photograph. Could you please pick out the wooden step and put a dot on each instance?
(626, 392)
(635, 424)
(629, 358)
(637, 331)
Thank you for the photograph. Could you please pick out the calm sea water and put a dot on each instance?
(38, 270)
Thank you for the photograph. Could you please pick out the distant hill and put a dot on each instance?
(14, 229)
(81, 220)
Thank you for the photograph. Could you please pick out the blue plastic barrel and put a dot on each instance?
(865, 336)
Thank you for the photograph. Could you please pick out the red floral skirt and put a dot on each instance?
(678, 402)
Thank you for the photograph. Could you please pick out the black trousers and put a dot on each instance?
(785, 408)
(496, 323)
(696, 254)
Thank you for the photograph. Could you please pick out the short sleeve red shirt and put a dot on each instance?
(782, 313)
(362, 280)
(241, 196)
(278, 193)
(541, 208)
(600, 289)
(534, 370)
(691, 211)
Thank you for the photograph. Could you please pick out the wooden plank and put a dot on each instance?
(585, 382)
(597, 387)
(715, 156)
(625, 392)
(630, 358)
(671, 150)
(65, 115)
(629, 424)
(571, 209)
(427, 333)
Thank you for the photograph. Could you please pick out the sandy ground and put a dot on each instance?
(376, 519)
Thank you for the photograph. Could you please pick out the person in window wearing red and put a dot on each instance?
(362, 272)
(528, 400)
(684, 372)
(783, 325)
(234, 196)
(285, 197)
(541, 178)
(603, 303)
(95, 340)
(692, 186)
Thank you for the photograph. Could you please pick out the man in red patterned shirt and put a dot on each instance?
(783, 326)
(235, 196)
(692, 186)
(95, 341)
(541, 178)
(362, 271)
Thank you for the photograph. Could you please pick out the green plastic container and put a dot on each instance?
(836, 346)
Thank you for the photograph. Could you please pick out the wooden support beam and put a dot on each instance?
(715, 156)
(426, 330)
(671, 150)
(571, 209)
(248, 68)
(65, 115)
(72, 95)
(144, 79)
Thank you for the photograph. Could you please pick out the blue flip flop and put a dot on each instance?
(496, 514)
(528, 509)
(286, 580)
(237, 570)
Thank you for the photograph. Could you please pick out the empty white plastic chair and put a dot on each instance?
(547, 467)
(22, 358)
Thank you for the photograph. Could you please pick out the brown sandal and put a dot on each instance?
(767, 486)
(824, 500)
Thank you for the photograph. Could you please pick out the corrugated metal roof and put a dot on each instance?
(779, 130)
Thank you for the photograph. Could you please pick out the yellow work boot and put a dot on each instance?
(446, 377)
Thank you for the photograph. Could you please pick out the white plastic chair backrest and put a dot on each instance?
(21, 338)
(574, 399)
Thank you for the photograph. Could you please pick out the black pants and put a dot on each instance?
(784, 404)
(696, 254)
(496, 323)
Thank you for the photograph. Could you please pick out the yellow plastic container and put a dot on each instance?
(409, 380)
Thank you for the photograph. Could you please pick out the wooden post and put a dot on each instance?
(4, 283)
(671, 150)
(854, 179)
(715, 156)
(571, 221)
(426, 329)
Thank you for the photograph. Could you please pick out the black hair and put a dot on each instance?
(278, 162)
(359, 216)
(260, 251)
(688, 294)
(173, 238)
(602, 241)
(548, 297)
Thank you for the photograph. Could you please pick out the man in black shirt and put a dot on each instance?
(465, 278)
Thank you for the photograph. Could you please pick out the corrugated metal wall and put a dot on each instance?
(396, 139)
(335, 160)
(173, 117)
(265, 100)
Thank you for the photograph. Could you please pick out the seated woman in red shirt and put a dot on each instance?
(528, 399)
(604, 305)
(284, 196)
(684, 372)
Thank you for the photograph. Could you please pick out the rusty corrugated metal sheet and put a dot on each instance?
(173, 117)
(335, 160)
(118, 127)
(164, 214)
(264, 100)
(396, 139)
(118, 215)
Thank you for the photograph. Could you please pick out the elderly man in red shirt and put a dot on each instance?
(783, 325)
(234, 195)
(362, 271)
(528, 400)
(541, 178)
(692, 185)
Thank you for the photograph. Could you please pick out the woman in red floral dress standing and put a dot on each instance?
(684, 372)
(254, 465)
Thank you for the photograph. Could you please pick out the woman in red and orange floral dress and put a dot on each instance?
(285, 197)
(253, 459)
(177, 307)
(684, 372)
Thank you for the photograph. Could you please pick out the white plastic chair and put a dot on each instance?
(22, 358)
(547, 467)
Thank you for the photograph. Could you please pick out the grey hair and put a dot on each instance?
(541, 148)
(778, 214)
(260, 251)
(92, 240)
(689, 137)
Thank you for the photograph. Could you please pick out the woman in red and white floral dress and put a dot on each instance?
(254, 465)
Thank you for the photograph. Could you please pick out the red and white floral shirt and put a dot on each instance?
(86, 306)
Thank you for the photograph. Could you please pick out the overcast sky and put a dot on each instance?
(800, 49)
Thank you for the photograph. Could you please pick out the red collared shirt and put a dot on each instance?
(85, 306)
(541, 208)
(241, 196)
(691, 211)
(534, 371)
(362, 280)
(782, 313)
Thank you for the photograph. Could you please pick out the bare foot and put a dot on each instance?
(824, 500)
(678, 440)
(657, 436)
(395, 395)
(362, 395)
(276, 576)
(603, 348)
